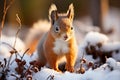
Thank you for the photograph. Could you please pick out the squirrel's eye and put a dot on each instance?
(57, 29)
(71, 28)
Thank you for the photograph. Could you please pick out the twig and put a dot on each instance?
(8, 45)
(50, 77)
(9, 61)
(19, 21)
(83, 55)
(17, 78)
(24, 53)
(16, 35)
(5, 61)
(82, 70)
(14, 51)
(6, 7)
(81, 61)
(27, 70)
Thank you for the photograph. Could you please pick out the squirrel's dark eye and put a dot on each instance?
(71, 28)
(57, 29)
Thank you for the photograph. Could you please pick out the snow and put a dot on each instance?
(116, 56)
(114, 75)
(95, 37)
(45, 73)
(111, 46)
(4, 49)
(107, 46)
(34, 56)
(101, 73)
(112, 63)
(81, 51)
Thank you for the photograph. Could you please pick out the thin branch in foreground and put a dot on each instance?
(17, 77)
(19, 21)
(25, 53)
(81, 61)
(8, 45)
(50, 77)
(6, 7)
(82, 69)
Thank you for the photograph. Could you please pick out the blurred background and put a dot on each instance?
(31, 11)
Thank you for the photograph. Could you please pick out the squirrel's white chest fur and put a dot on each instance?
(60, 47)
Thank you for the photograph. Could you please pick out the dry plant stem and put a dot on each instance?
(9, 61)
(19, 21)
(25, 53)
(81, 61)
(50, 77)
(6, 7)
(16, 37)
(4, 64)
(27, 69)
(17, 78)
(11, 54)
(8, 45)
(105, 57)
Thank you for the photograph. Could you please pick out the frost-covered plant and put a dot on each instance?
(98, 45)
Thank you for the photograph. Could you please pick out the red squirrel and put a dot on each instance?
(59, 41)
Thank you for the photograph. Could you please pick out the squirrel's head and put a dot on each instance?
(61, 24)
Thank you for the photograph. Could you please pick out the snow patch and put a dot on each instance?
(95, 37)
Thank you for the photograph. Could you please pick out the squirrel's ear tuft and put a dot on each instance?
(53, 15)
(70, 12)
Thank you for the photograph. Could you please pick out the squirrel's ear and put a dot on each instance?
(53, 15)
(70, 12)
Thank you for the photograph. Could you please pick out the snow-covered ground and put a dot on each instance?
(6, 44)
(110, 70)
(103, 72)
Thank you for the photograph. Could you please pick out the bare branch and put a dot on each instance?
(7, 45)
(19, 21)
(25, 53)
(6, 7)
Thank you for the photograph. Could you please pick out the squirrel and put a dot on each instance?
(59, 41)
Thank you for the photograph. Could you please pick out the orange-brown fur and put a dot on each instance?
(46, 45)
(33, 44)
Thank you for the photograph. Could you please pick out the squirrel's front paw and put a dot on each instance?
(70, 68)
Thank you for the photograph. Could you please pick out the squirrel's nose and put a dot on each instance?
(65, 37)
